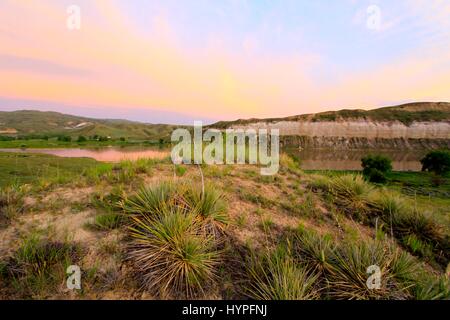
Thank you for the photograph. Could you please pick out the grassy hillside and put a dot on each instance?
(26, 122)
(407, 114)
(293, 236)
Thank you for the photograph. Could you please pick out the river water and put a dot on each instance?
(311, 159)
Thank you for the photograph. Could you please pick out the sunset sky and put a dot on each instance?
(176, 61)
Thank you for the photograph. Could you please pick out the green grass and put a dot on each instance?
(108, 221)
(11, 203)
(19, 168)
(38, 266)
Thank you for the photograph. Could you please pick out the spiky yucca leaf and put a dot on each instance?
(276, 276)
(173, 254)
(151, 200)
(210, 205)
(347, 271)
(313, 249)
(352, 193)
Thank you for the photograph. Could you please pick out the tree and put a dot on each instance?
(375, 167)
(65, 138)
(437, 161)
(81, 139)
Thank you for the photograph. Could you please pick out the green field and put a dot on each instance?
(19, 168)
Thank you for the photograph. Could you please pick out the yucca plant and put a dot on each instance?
(319, 182)
(387, 203)
(276, 276)
(432, 288)
(404, 268)
(408, 222)
(173, 254)
(312, 249)
(347, 271)
(151, 200)
(209, 204)
(352, 193)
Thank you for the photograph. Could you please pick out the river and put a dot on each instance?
(311, 159)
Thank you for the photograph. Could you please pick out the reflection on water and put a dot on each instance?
(312, 159)
(328, 159)
(110, 154)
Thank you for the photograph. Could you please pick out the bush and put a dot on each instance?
(437, 161)
(175, 239)
(173, 254)
(82, 139)
(347, 272)
(351, 192)
(210, 205)
(276, 276)
(65, 138)
(375, 167)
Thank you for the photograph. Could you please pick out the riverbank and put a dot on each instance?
(55, 143)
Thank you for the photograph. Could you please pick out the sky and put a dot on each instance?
(177, 61)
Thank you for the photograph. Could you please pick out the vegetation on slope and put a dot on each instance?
(139, 230)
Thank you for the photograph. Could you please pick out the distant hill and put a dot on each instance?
(406, 113)
(27, 122)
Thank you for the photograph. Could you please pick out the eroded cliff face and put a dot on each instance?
(356, 134)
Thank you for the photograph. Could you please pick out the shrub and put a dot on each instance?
(151, 200)
(276, 276)
(82, 139)
(313, 249)
(65, 138)
(411, 221)
(173, 254)
(347, 271)
(175, 239)
(404, 269)
(375, 167)
(351, 192)
(210, 205)
(432, 288)
(437, 161)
